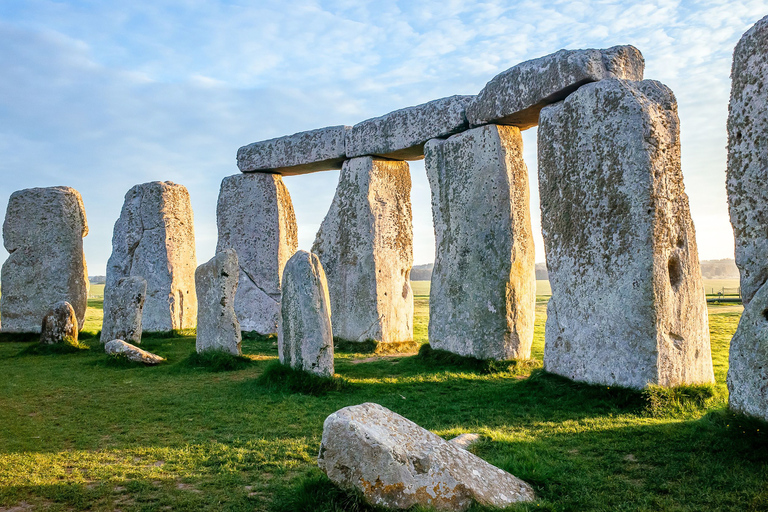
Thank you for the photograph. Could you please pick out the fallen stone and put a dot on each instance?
(154, 238)
(305, 337)
(43, 234)
(123, 306)
(59, 325)
(393, 462)
(628, 305)
(255, 217)
(300, 153)
(465, 441)
(747, 155)
(516, 96)
(401, 135)
(132, 353)
(365, 245)
(481, 212)
(216, 284)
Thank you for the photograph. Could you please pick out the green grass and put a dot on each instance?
(79, 434)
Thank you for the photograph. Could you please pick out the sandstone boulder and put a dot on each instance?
(43, 234)
(516, 96)
(305, 338)
(300, 153)
(217, 325)
(481, 212)
(628, 305)
(255, 217)
(154, 238)
(132, 353)
(393, 462)
(123, 306)
(365, 245)
(59, 325)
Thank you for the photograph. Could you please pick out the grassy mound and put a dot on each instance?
(217, 361)
(374, 347)
(444, 359)
(40, 349)
(278, 377)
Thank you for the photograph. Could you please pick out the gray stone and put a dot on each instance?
(393, 462)
(59, 325)
(305, 337)
(255, 217)
(628, 305)
(365, 244)
(154, 238)
(480, 207)
(132, 353)
(300, 153)
(216, 285)
(748, 157)
(516, 96)
(123, 306)
(401, 134)
(465, 441)
(43, 234)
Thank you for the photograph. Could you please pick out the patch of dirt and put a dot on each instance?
(19, 507)
(187, 487)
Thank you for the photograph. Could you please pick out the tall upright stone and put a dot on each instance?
(305, 337)
(154, 238)
(255, 217)
(123, 308)
(747, 185)
(216, 285)
(628, 305)
(365, 244)
(43, 234)
(483, 291)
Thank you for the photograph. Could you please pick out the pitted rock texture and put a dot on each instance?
(747, 182)
(132, 353)
(628, 305)
(123, 306)
(154, 238)
(305, 338)
(480, 207)
(255, 217)
(43, 234)
(216, 284)
(401, 134)
(516, 96)
(395, 463)
(59, 325)
(365, 245)
(301, 153)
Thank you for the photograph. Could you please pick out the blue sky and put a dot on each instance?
(103, 95)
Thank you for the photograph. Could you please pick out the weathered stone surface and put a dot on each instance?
(365, 244)
(123, 306)
(395, 463)
(481, 211)
(628, 305)
(120, 347)
(747, 180)
(154, 238)
(305, 338)
(401, 134)
(465, 441)
(43, 234)
(59, 325)
(300, 153)
(216, 284)
(516, 96)
(255, 217)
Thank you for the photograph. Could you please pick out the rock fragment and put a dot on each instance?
(59, 325)
(123, 306)
(132, 353)
(216, 284)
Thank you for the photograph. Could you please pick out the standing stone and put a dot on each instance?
(255, 217)
(216, 284)
(305, 338)
(59, 325)
(123, 306)
(747, 186)
(628, 305)
(154, 238)
(365, 244)
(483, 294)
(43, 234)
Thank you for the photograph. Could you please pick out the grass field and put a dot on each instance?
(80, 432)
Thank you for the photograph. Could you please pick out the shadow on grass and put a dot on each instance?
(41, 349)
(373, 347)
(215, 361)
(278, 377)
(442, 359)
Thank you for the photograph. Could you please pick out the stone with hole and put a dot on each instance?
(216, 284)
(123, 306)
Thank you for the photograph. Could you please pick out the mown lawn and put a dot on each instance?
(78, 432)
